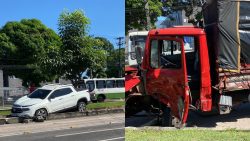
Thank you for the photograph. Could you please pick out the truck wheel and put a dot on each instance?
(41, 115)
(100, 98)
(81, 106)
(133, 105)
(93, 101)
(166, 117)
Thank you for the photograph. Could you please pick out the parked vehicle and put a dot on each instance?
(99, 88)
(186, 67)
(50, 99)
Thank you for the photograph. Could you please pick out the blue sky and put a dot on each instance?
(107, 16)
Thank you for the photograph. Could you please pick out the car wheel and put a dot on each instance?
(41, 115)
(100, 98)
(81, 106)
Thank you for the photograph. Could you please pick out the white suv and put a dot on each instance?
(49, 99)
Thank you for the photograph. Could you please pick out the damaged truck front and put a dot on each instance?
(192, 68)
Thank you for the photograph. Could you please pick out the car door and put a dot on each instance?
(55, 101)
(60, 99)
(166, 76)
(70, 98)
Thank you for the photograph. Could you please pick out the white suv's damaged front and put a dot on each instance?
(50, 99)
(27, 105)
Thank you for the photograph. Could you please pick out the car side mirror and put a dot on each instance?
(138, 52)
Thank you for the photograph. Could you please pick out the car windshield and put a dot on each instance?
(39, 93)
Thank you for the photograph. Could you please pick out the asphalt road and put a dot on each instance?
(111, 132)
(239, 118)
(141, 119)
(106, 127)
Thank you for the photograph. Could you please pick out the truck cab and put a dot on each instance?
(176, 69)
(179, 70)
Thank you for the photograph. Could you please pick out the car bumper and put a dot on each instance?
(27, 114)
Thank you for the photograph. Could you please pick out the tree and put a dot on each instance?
(188, 6)
(78, 49)
(136, 12)
(7, 48)
(106, 44)
(24, 43)
(96, 56)
(113, 67)
(112, 58)
(108, 47)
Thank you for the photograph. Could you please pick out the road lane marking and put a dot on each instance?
(35, 132)
(14, 134)
(113, 139)
(87, 132)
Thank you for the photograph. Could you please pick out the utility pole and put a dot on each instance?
(5, 84)
(147, 15)
(120, 43)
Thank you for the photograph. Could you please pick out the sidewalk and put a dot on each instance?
(5, 108)
(52, 125)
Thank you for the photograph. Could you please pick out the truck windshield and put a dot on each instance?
(39, 93)
(137, 41)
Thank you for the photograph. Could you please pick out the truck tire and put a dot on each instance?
(166, 119)
(133, 105)
(100, 98)
(94, 101)
(41, 115)
(81, 106)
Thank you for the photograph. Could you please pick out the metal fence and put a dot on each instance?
(9, 95)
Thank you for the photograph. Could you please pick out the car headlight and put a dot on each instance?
(16, 105)
(26, 105)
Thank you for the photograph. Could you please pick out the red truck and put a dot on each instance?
(191, 68)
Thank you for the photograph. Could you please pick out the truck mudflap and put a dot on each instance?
(182, 106)
(185, 108)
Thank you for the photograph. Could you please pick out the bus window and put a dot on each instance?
(110, 83)
(81, 87)
(100, 84)
(90, 85)
(120, 83)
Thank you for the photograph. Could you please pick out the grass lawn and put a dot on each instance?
(90, 106)
(115, 96)
(186, 135)
(5, 112)
(98, 105)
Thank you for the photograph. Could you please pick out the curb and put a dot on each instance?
(185, 128)
(88, 113)
(14, 120)
(2, 121)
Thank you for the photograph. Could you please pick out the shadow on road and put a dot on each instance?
(238, 118)
(139, 120)
(239, 112)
